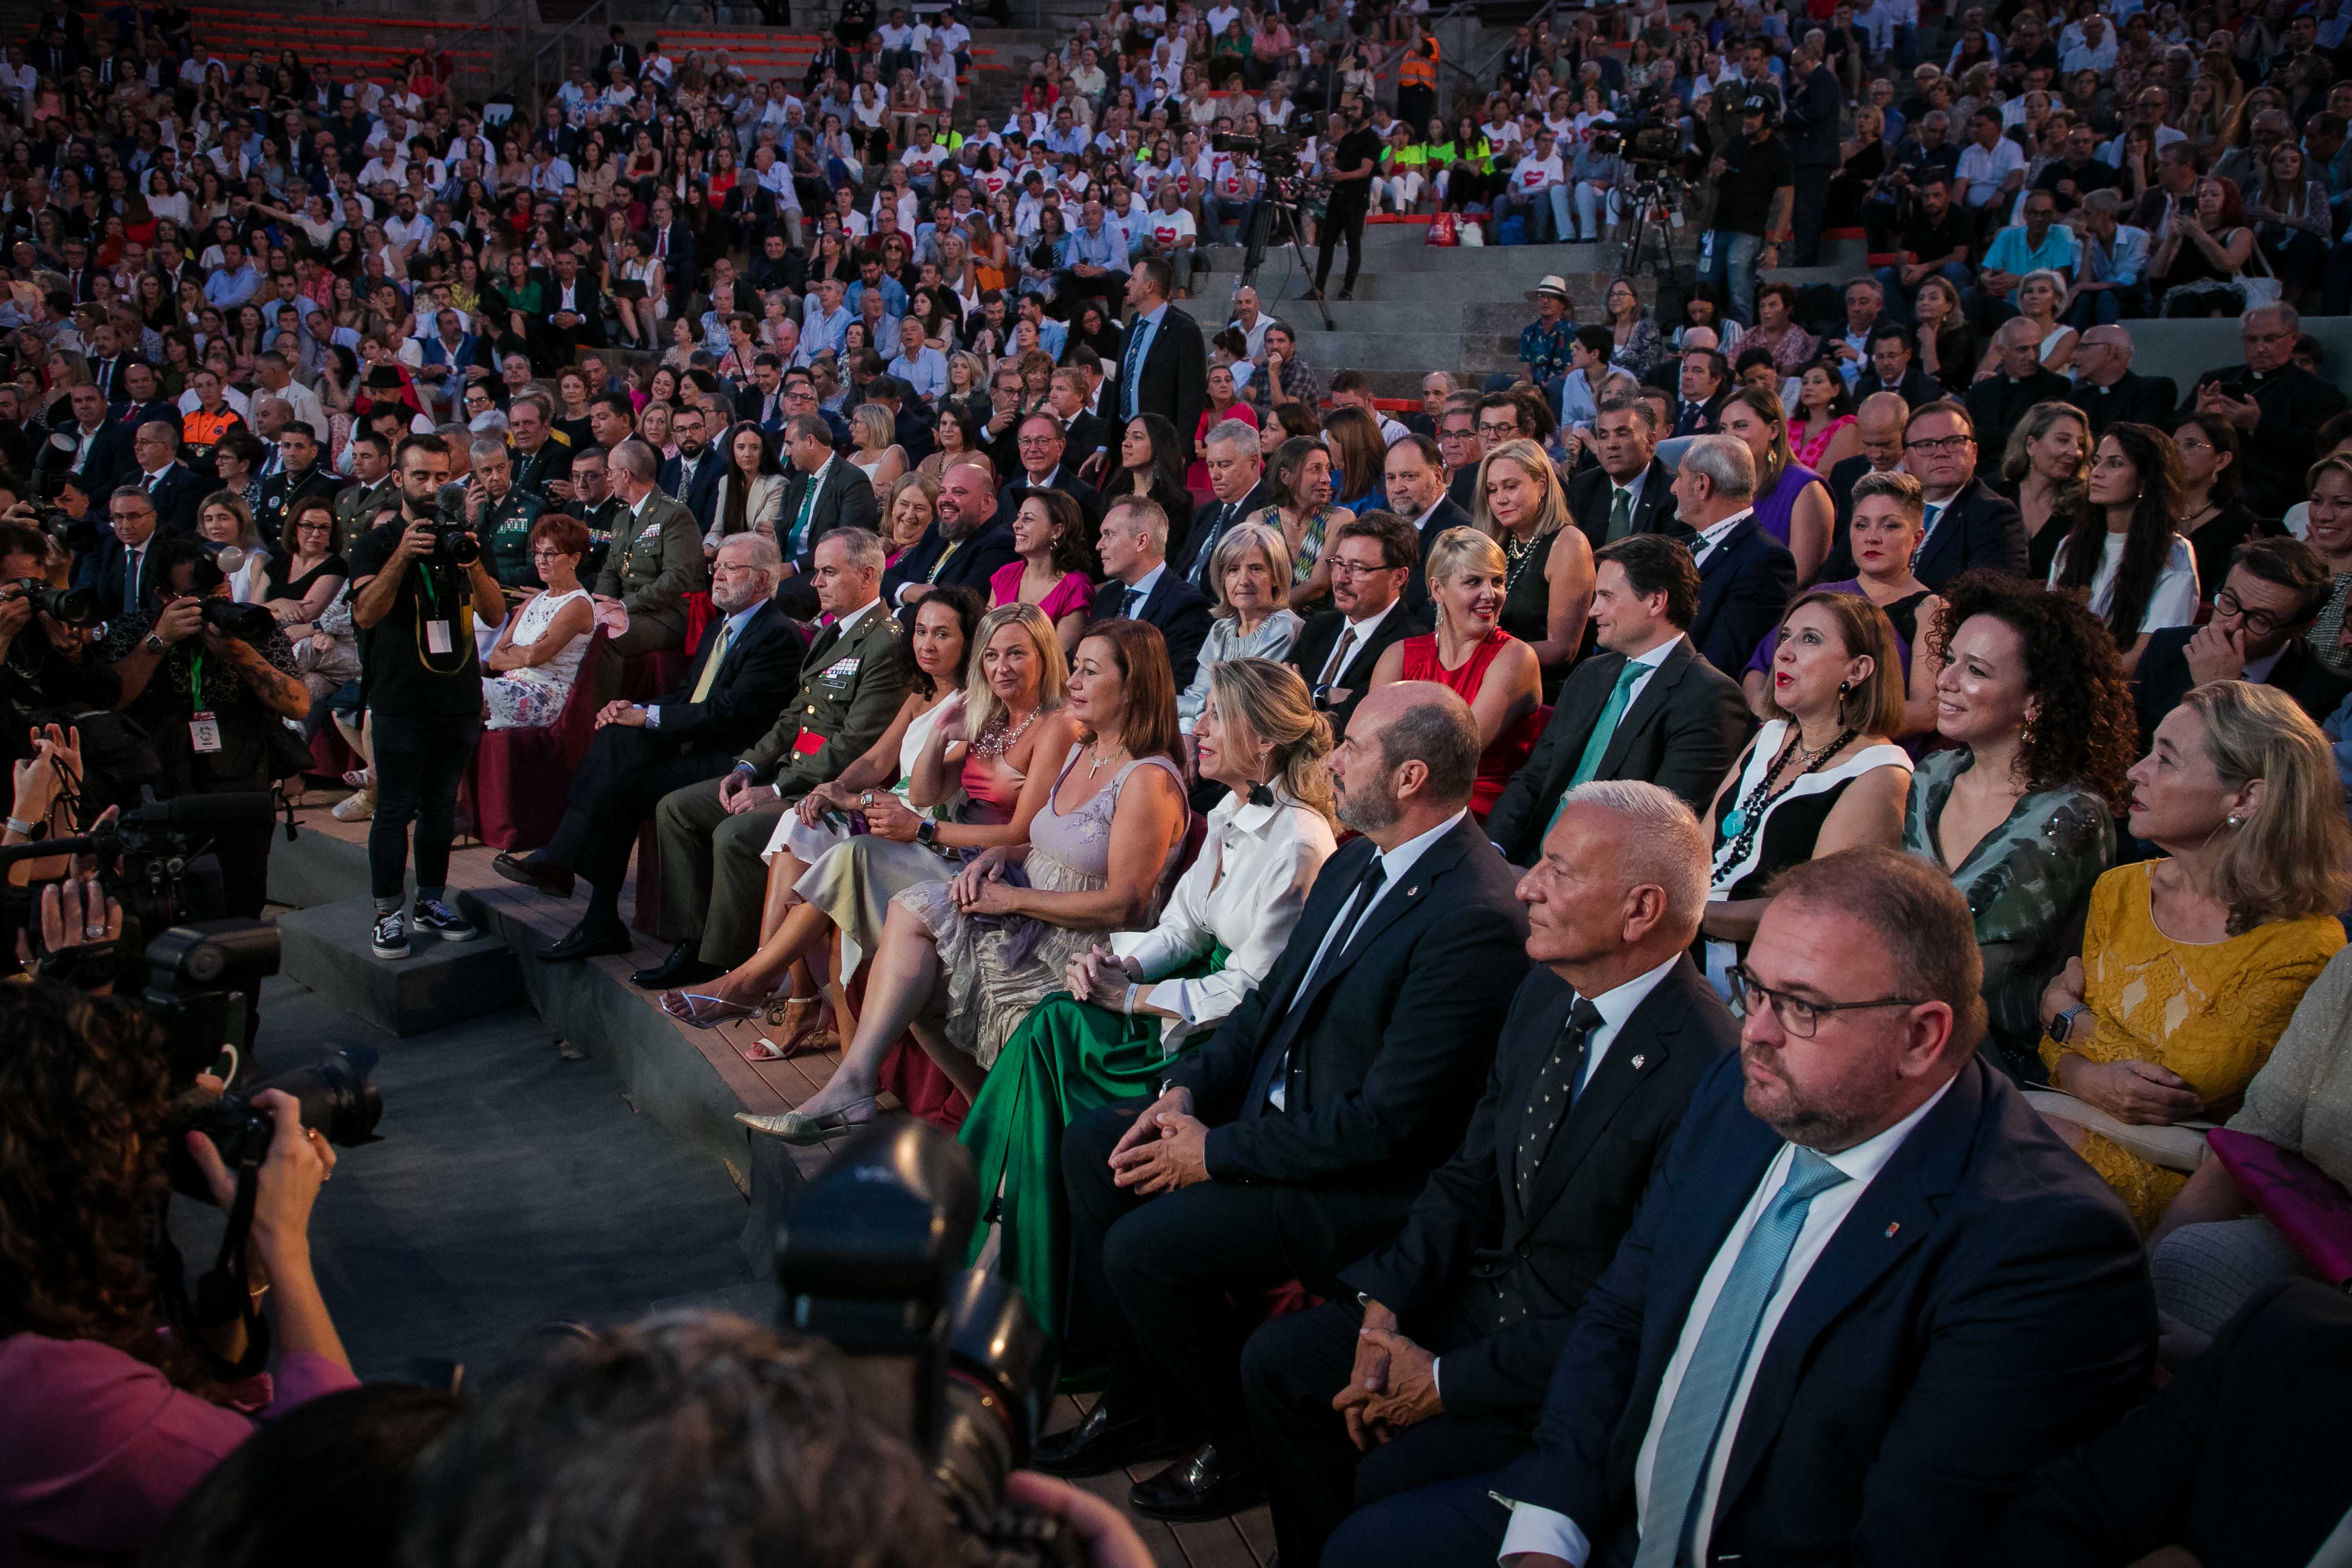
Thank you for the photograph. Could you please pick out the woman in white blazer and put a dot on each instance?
(750, 492)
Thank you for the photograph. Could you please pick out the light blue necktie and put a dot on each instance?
(1137, 341)
(1678, 1472)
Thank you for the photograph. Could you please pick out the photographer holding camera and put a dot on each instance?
(45, 663)
(111, 1420)
(211, 681)
(418, 581)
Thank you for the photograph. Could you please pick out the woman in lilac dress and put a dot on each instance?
(1791, 502)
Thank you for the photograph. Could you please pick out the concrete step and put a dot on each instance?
(1532, 261)
(1417, 353)
(439, 983)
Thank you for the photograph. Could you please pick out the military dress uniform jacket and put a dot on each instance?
(505, 535)
(654, 562)
(850, 691)
(281, 490)
(356, 508)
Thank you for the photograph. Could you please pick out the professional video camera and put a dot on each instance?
(870, 1258)
(68, 606)
(1266, 148)
(1647, 133)
(453, 540)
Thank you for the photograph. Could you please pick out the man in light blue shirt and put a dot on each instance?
(2041, 241)
(235, 281)
(1052, 335)
(919, 364)
(1097, 259)
(2114, 266)
(825, 322)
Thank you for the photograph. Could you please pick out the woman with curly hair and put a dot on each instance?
(114, 1418)
(2123, 551)
(2020, 811)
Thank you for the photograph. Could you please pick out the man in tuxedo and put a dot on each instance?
(154, 451)
(2276, 404)
(823, 491)
(747, 663)
(1628, 491)
(1236, 489)
(1162, 369)
(1436, 1367)
(1337, 650)
(1706, 381)
(543, 457)
(1644, 707)
(101, 447)
(2262, 621)
(1138, 585)
(1891, 370)
(1745, 576)
(2111, 390)
(573, 319)
(1414, 473)
(1997, 401)
(692, 477)
(968, 540)
(1042, 443)
(1967, 525)
(1297, 1137)
(1868, 1292)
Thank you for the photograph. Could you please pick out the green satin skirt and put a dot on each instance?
(1066, 1058)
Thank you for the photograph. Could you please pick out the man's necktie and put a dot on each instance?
(1217, 526)
(1933, 510)
(131, 582)
(1131, 601)
(1132, 367)
(1338, 659)
(1686, 1443)
(1620, 514)
(808, 508)
(717, 657)
(1555, 1090)
(1596, 744)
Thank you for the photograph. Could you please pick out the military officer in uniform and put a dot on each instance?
(655, 560)
(502, 514)
(372, 489)
(303, 475)
(594, 502)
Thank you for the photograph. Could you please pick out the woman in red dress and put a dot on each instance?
(1496, 674)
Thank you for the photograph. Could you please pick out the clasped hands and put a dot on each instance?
(1165, 1148)
(1393, 1384)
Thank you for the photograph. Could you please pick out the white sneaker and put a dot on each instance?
(356, 807)
(390, 937)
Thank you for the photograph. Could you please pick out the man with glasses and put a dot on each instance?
(2261, 619)
(1040, 445)
(1457, 443)
(1337, 650)
(2277, 405)
(1868, 1294)
(1966, 524)
(2110, 390)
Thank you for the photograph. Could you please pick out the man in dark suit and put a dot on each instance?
(823, 491)
(964, 546)
(1891, 369)
(1236, 489)
(1745, 576)
(747, 663)
(1438, 1362)
(574, 317)
(1138, 585)
(2261, 619)
(154, 455)
(121, 568)
(1644, 705)
(1868, 1292)
(1337, 650)
(692, 477)
(1878, 421)
(141, 403)
(672, 244)
(618, 52)
(1629, 491)
(1998, 401)
(2277, 405)
(1297, 1139)
(1414, 475)
(543, 456)
(102, 448)
(2110, 390)
(1042, 445)
(1163, 366)
(1706, 382)
(1967, 524)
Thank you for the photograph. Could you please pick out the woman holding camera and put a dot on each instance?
(114, 1420)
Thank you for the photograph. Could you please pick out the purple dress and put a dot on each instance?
(1773, 508)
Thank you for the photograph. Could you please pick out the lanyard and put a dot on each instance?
(196, 682)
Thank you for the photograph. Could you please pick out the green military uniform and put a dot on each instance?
(356, 508)
(657, 560)
(505, 535)
(713, 881)
(600, 520)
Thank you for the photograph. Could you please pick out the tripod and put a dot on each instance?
(1274, 213)
(1657, 210)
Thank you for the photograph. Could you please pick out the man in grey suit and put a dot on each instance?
(1644, 705)
(654, 562)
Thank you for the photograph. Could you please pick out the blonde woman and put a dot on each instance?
(876, 453)
(224, 522)
(1470, 654)
(2044, 470)
(1249, 574)
(2041, 297)
(2193, 962)
(1547, 574)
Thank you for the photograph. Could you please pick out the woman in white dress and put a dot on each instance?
(225, 523)
(529, 671)
(2124, 547)
(877, 454)
(750, 489)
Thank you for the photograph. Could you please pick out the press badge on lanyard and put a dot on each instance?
(203, 728)
(436, 637)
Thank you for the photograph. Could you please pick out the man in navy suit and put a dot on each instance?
(1164, 368)
(1437, 1369)
(1627, 491)
(1868, 1293)
(155, 454)
(1042, 442)
(1745, 576)
(1706, 381)
(1968, 524)
(692, 477)
(102, 453)
(1413, 473)
(964, 546)
(1138, 585)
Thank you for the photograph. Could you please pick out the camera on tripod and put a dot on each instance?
(1267, 147)
(870, 1259)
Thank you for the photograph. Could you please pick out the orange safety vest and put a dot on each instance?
(201, 431)
(1419, 69)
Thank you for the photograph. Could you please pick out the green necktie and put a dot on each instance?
(1596, 744)
(1621, 514)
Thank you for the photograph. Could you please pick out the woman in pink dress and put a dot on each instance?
(1050, 534)
(1494, 672)
(1821, 428)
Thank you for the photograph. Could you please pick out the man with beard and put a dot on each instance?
(1297, 1139)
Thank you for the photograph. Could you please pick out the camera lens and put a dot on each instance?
(337, 1099)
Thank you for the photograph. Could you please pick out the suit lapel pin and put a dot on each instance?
(1637, 1062)
(1892, 1229)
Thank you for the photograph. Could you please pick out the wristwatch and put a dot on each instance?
(151, 643)
(927, 831)
(2063, 1027)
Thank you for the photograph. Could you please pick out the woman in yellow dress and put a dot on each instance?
(2192, 964)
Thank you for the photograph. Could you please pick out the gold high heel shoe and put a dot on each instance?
(805, 1132)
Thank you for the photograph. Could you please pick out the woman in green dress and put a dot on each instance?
(1134, 1004)
(2020, 811)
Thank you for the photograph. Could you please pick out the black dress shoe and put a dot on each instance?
(585, 941)
(680, 968)
(553, 880)
(1102, 1443)
(1199, 1486)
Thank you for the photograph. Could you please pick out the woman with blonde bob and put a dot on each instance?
(1137, 1002)
(224, 522)
(1547, 572)
(1470, 654)
(1249, 578)
(2192, 963)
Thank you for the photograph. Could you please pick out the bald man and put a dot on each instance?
(1996, 403)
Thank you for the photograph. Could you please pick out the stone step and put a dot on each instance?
(439, 983)
(1417, 353)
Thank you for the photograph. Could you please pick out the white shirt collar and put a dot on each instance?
(1633, 486)
(1364, 629)
(1150, 579)
(2259, 670)
(1715, 534)
(1421, 521)
(1399, 862)
(1616, 1006)
(845, 624)
(1868, 1158)
(1657, 656)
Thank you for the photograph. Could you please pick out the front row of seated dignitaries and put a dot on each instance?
(766, 711)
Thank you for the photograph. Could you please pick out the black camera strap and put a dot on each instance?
(222, 1296)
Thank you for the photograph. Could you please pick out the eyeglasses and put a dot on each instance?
(548, 552)
(1953, 443)
(1799, 1016)
(2257, 622)
(1343, 567)
(1497, 432)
